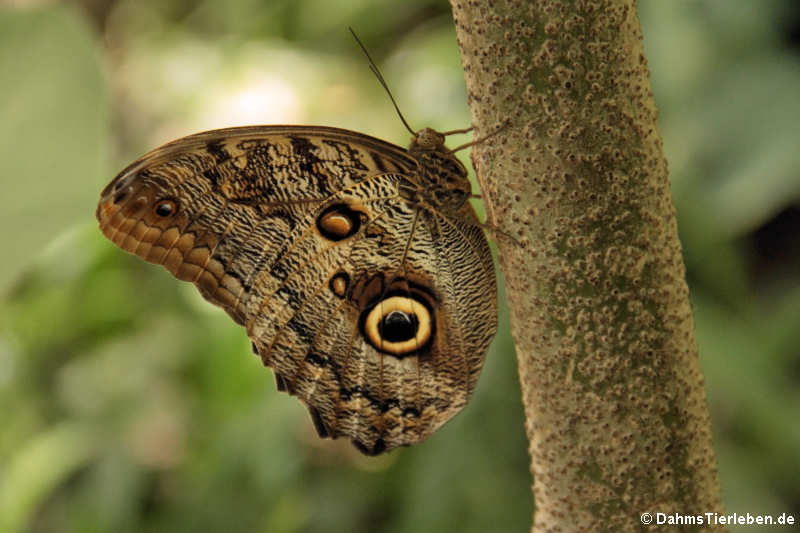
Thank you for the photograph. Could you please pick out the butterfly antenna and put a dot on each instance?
(374, 68)
(479, 140)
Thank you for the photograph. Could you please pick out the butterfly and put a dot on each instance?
(358, 268)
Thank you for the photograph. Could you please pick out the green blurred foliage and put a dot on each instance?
(54, 135)
(129, 404)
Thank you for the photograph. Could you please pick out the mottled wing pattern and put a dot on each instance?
(374, 310)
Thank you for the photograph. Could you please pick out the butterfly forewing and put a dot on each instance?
(371, 297)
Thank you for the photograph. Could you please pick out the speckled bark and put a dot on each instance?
(613, 392)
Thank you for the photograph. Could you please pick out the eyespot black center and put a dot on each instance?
(165, 208)
(398, 326)
(399, 321)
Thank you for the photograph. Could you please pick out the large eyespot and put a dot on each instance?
(338, 222)
(166, 208)
(399, 325)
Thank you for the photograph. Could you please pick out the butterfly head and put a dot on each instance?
(427, 140)
(444, 177)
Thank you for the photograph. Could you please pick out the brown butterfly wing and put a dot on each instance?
(302, 236)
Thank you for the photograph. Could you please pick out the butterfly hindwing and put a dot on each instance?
(372, 304)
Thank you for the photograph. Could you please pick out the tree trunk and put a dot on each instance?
(577, 188)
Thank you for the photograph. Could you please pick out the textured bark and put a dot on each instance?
(613, 392)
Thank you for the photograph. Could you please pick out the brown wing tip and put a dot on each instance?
(377, 448)
(283, 384)
(319, 425)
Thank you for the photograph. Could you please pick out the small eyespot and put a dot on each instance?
(166, 208)
(339, 283)
(411, 412)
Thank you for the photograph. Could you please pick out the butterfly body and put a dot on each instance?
(358, 268)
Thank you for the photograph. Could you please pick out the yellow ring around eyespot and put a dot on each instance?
(406, 305)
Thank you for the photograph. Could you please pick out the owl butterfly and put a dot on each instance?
(358, 268)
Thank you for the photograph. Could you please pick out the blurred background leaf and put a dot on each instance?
(132, 405)
(54, 133)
